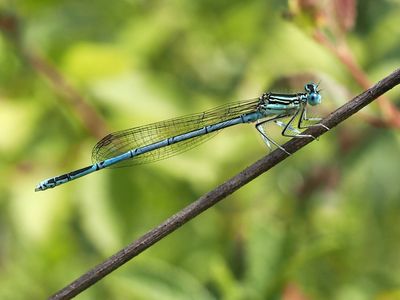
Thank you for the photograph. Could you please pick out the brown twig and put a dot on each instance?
(93, 122)
(390, 112)
(330, 23)
(222, 191)
(10, 25)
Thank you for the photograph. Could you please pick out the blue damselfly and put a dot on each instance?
(160, 140)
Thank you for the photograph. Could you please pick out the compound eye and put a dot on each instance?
(314, 99)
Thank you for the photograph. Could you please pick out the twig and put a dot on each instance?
(222, 191)
(89, 117)
(390, 113)
(10, 26)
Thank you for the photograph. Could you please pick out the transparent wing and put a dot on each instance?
(120, 142)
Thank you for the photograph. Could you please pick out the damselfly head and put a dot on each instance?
(313, 96)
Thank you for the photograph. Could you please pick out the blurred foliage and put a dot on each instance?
(324, 224)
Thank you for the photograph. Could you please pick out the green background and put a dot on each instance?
(324, 224)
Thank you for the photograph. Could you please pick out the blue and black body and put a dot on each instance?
(160, 140)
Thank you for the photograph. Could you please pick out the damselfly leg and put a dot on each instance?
(304, 117)
(289, 125)
(266, 138)
(289, 129)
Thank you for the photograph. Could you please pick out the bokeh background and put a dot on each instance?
(324, 224)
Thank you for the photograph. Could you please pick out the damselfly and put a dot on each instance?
(160, 140)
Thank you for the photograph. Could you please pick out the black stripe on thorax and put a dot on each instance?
(284, 98)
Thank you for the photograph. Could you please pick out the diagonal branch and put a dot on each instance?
(10, 26)
(89, 117)
(391, 114)
(222, 191)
